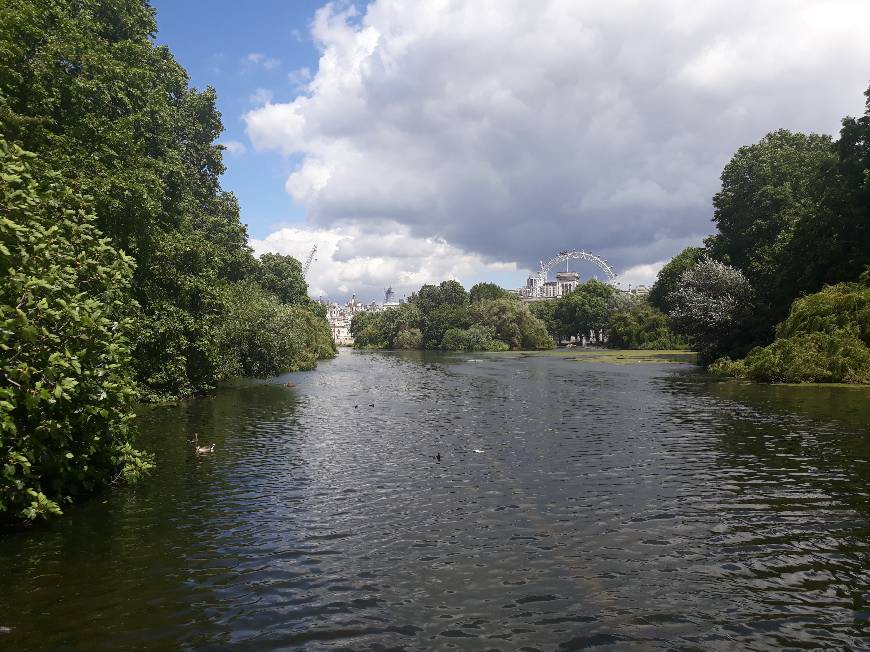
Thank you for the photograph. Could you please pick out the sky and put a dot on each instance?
(414, 142)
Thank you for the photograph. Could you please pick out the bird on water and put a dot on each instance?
(201, 450)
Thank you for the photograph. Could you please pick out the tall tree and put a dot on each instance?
(669, 276)
(83, 85)
(835, 246)
(482, 291)
(711, 305)
(769, 190)
(282, 276)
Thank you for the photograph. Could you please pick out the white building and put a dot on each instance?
(340, 316)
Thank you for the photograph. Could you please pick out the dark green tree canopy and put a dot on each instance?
(83, 85)
(669, 276)
(282, 276)
(482, 291)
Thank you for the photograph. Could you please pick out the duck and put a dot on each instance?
(201, 450)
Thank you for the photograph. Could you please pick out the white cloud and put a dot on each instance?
(514, 129)
(234, 147)
(261, 96)
(352, 260)
(260, 59)
(640, 275)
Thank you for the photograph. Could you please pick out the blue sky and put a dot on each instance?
(212, 41)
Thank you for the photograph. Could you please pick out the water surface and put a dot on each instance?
(576, 505)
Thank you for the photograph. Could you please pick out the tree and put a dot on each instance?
(367, 329)
(709, 305)
(263, 336)
(641, 326)
(66, 399)
(585, 309)
(482, 291)
(511, 322)
(282, 276)
(834, 246)
(545, 311)
(410, 338)
(769, 190)
(427, 298)
(669, 276)
(393, 322)
(474, 338)
(441, 319)
(86, 89)
(453, 294)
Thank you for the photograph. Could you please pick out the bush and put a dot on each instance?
(510, 321)
(261, 336)
(642, 327)
(409, 339)
(838, 357)
(826, 338)
(475, 338)
(67, 392)
(709, 306)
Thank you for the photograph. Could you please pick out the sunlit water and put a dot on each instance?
(576, 505)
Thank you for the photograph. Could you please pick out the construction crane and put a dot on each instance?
(308, 261)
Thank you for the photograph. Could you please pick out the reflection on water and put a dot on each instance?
(575, 505)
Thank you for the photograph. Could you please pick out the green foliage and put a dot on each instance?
(511, 322)
(430, 297)
(409, 339)
(282, 276)
(86, 88)
(439, 320)
(585, 309)
(490, 291)
(261, 336)
(668, 278)
(67, 391)
(845, 306)
(441, 317)
(838, 357)
(826, 338)
(368, 331)
(393, 328)
(768, 190)
(475, 338)
(545, 311)
(834, 245)
(709, 306)
(641, 326)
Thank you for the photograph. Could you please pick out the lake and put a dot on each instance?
(576, 504)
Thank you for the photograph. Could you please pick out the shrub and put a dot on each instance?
(262, 337)
(475, 338)
(709, 306)
(411, 338)
(65, 401)
(826, 338)
(642, 327)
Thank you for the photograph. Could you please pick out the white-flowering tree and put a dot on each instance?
(709, 305)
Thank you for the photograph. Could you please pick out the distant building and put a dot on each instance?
(340, 316)
(565, 283)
